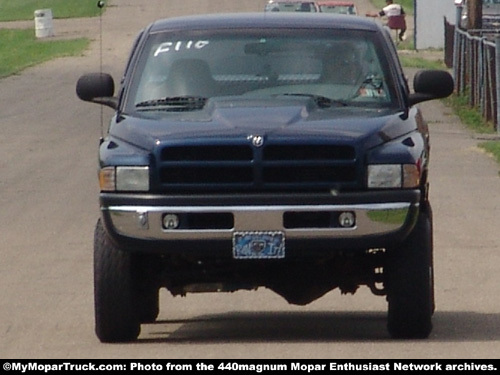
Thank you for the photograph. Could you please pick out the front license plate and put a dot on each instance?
(258, 245)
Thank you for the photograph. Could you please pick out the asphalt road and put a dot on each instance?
(48, 200)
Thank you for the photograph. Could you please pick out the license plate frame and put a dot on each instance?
(259, 245)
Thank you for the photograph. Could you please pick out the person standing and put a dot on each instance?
(395, 17)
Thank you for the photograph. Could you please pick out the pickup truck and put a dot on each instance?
(275, 150)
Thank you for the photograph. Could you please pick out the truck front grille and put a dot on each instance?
(274, 167)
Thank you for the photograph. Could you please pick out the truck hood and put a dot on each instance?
(296, 118)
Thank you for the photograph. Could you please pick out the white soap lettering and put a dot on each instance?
(179, 46)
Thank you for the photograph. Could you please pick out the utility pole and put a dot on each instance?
(475, 14)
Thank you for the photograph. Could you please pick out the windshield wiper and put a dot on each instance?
(175, 103)
(321, 101)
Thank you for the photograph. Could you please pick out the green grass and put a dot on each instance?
(493, 148)
(20, 49)
(420, 63)
(13, 10)
(469, 116)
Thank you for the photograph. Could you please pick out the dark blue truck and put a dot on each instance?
(271, 150)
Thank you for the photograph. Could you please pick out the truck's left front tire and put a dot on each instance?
(410, 283)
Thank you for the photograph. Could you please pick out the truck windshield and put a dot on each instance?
(183, 71)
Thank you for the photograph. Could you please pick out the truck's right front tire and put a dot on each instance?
(116, 319)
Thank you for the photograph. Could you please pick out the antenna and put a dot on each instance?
(100, 5)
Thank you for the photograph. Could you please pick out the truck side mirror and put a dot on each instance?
(97, 88)
(431, 84)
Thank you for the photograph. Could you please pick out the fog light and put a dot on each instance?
(171, 221)
(347, 219)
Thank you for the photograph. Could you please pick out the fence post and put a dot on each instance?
(497, 78)
(456, 54)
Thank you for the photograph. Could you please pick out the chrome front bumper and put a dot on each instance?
(146, 222)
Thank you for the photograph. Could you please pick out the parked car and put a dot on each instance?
(291, 6)
(340, 7)
(253, 150)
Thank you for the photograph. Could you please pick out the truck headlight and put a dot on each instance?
(124, 179)
(393, 176)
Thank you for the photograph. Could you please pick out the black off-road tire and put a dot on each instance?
(116, 319)
(410, 282)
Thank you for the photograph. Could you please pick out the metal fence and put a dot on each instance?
(475, 71)
(475, 61)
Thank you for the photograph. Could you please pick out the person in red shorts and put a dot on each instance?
(395, 15)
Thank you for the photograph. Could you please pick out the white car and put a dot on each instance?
(291, 6)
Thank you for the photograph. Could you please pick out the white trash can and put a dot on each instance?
(43, 23)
